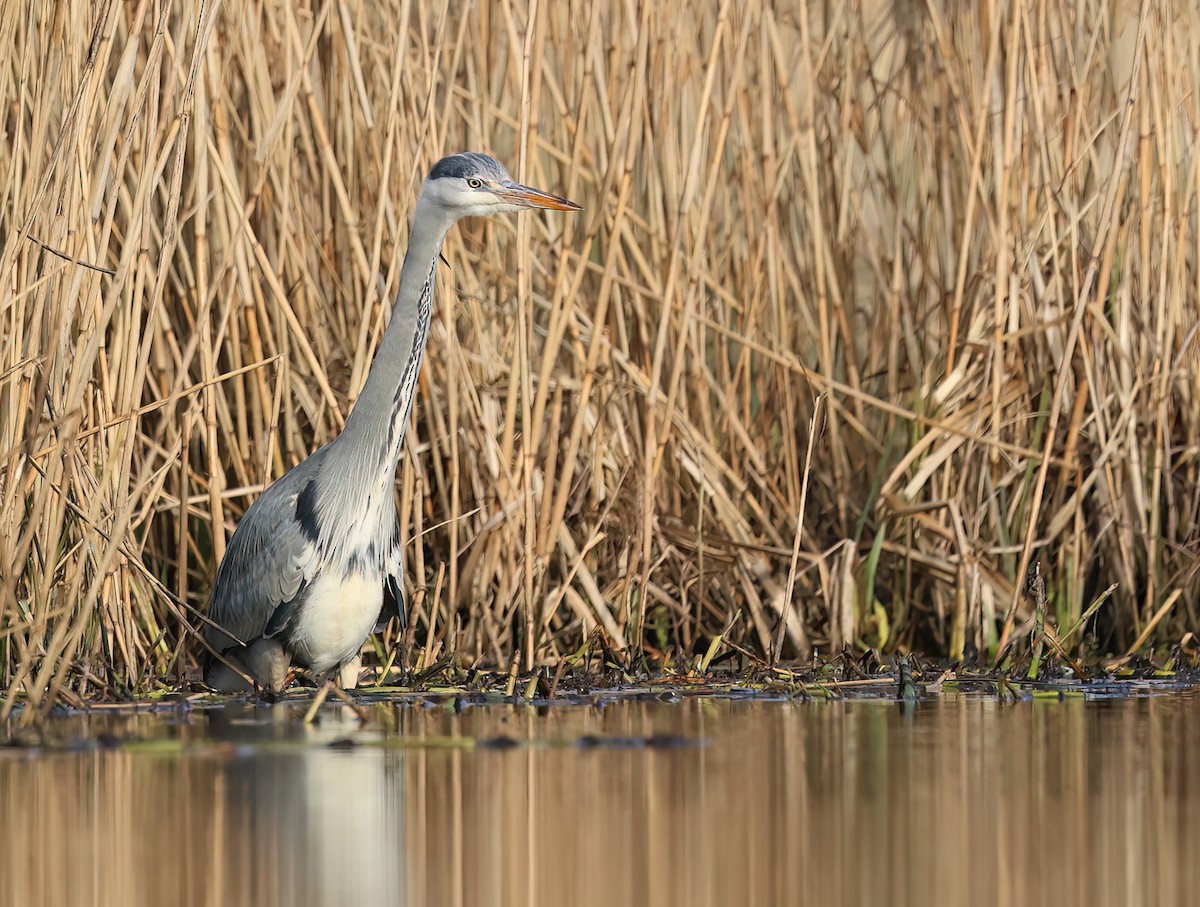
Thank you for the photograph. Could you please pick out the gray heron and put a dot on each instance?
(317, 557)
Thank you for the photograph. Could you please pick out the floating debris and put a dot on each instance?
(502, 742)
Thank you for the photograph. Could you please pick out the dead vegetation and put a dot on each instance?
(962, 236)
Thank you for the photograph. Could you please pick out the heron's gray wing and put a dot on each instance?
(272, 556)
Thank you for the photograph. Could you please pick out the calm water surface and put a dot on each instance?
(961, 801)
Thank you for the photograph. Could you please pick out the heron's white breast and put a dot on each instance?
(339, 613)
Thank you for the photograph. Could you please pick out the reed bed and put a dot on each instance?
(874, 308)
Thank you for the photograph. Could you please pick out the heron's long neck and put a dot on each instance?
(377, 422)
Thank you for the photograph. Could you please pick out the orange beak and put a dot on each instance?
(528, 197)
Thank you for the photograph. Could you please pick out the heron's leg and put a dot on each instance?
(348, 673)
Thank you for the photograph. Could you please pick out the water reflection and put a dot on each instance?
(962, 801)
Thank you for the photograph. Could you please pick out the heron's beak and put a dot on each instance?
(527, 197)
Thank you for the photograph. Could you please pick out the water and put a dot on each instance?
(963, 800)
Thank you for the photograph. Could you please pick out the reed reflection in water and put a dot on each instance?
(849, 802)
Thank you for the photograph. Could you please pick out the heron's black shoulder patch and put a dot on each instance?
(394, 604)
(306, 512)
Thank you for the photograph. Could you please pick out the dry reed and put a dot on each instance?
(967, 229)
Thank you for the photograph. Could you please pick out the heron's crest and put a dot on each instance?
(467, 164)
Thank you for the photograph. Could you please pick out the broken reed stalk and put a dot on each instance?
(968, 227)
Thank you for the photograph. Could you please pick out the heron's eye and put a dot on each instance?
(474, 183)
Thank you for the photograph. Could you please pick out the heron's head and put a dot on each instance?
(475, 185)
